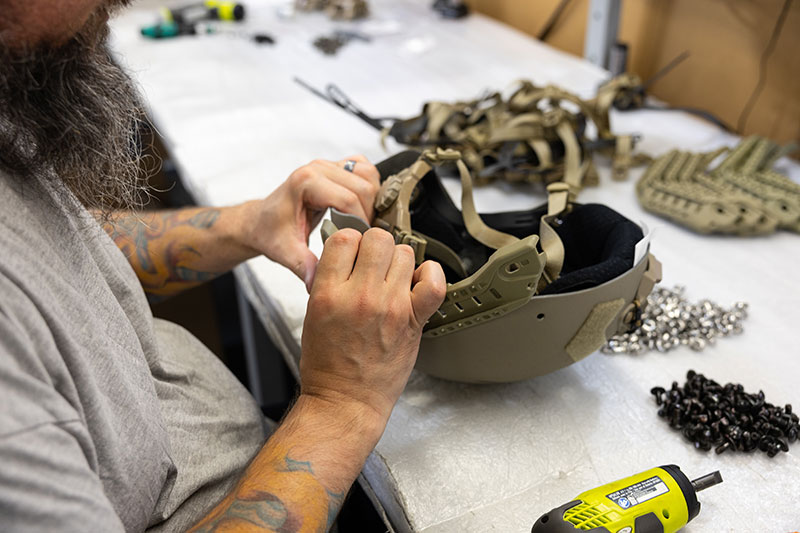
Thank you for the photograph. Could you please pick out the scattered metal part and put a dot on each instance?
(330, 44)
(451, 9)
(670, 321)
(726, 417)
(263, 38)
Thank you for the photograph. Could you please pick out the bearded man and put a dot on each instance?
(113, 421)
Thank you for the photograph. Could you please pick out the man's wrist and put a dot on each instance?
(244, 219)
(351, 416)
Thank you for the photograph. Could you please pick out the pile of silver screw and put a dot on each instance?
(670, 320)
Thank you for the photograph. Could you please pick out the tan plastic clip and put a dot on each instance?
(392, 206)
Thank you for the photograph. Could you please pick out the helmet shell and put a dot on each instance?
(546, 334)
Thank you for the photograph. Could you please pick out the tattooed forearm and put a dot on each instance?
(335, 501)
(264, 512)
(299, 479)
(169, 250)
(294, 502)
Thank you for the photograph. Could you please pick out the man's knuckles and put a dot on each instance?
(302, 176)
(405, 254)
(378, 240)
(344, 238)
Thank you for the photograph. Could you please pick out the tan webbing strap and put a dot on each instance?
(384, 136)
(553, 249)
(559, 196)
(438, 114)
(590, 177)
(573, 171)
(558, 200)
(623, 157)
(601, 105)
(527, 126)
(476, 227)
(543, 153)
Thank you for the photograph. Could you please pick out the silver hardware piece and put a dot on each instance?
(670, 321)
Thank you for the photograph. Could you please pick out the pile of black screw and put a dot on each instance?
(726, 417)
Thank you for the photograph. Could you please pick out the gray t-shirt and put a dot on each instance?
(109, 420)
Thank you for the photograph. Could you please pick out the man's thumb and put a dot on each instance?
(304, 265)
(428, 291)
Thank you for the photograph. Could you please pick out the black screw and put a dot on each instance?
(726, 417)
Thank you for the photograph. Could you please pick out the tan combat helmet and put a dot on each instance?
(528, 292)
(742, 195)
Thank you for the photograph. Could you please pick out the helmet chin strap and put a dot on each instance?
(560, 196)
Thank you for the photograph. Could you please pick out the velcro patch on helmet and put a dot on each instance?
(592, 333)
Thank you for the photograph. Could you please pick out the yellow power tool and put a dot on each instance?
(206, 10)
(659, 500)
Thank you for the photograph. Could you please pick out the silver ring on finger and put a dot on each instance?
(349, 165)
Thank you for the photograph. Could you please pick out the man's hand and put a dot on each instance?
(174, 250)
(364, 320)
(363, 326)
(279, 225)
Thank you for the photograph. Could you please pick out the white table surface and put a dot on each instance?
(465, 458)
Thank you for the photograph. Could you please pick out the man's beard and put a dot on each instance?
(71, 112)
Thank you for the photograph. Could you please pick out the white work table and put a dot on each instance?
(467, 458)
